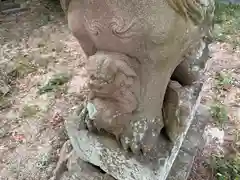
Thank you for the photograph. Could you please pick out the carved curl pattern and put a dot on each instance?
(94, 26)
(117, 25)
(121, 29)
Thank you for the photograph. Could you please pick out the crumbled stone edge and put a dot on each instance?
(193, 141)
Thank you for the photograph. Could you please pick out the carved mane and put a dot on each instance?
(189, 9)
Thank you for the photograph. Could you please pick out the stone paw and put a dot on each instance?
(82, 113)
(105, 117)
(141, 136)
(88, 120)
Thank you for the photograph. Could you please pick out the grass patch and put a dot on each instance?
(227, 23)
(44, 161)
(226, 168)
(29, 111)
(21, 67)
(223, 81)
(219, 113)
(5, 102)
(54, 83)
(4, 87)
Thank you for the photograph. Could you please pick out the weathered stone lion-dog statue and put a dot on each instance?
(137, 49)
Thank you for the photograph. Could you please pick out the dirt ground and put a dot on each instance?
(36, 46)
(222, 138)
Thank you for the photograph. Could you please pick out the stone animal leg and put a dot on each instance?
(76, 25)
(120, 106)
(176, 108)
(147, 122)
(112, 105)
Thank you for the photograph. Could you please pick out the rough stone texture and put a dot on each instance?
(80, 170)
(134, 55)
(193, 141)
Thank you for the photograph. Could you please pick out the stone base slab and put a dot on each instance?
(106, 154)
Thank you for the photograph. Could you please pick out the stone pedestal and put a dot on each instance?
(173, 162)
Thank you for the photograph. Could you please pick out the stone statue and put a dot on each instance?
(139, 64)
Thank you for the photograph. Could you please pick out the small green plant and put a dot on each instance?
(43, 161)
(223, 80)
(226, 168)
(54, 83)
(5, 102)
(29, 111)
(22, 66)
(219, 113)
